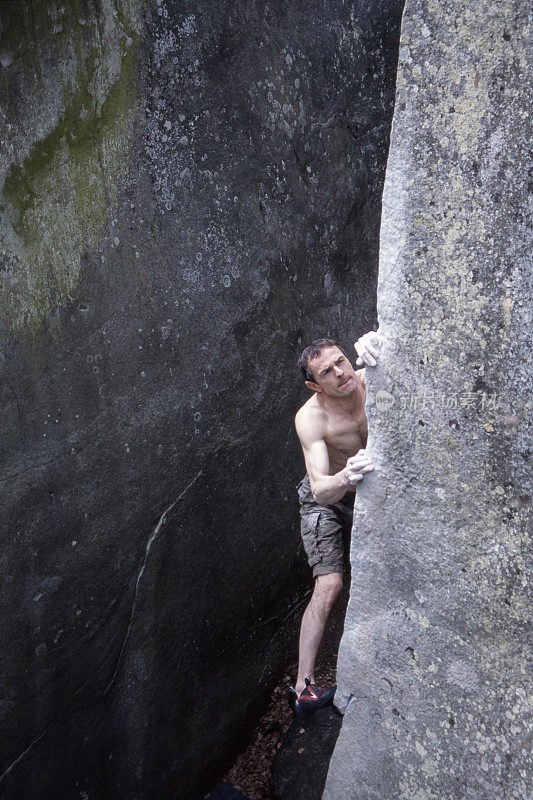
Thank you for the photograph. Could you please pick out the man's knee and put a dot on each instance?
(329, 587)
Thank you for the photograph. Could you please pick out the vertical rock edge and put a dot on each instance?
(433, 664)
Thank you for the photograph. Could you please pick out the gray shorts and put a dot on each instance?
(325, 530)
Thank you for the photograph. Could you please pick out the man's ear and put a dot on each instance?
(313, 386)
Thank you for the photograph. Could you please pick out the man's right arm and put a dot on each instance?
(326, 488)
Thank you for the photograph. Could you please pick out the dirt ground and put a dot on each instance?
(251, 771)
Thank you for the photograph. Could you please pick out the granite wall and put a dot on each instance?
(435, 661)
(189, 191)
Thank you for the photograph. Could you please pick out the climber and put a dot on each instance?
(332, 429)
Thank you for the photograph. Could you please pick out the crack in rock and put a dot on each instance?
(6, 772)
(151, 540)
(37, 739)
(149, 544)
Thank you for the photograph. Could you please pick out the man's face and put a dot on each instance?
(332, 373)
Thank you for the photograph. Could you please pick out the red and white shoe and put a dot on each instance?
(311, 699)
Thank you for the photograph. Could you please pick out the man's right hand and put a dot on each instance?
(356, 467)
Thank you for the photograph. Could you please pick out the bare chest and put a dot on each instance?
(344, 438)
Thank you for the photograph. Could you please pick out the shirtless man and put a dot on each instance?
(332, 429)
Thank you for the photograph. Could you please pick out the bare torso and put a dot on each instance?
(344, 428)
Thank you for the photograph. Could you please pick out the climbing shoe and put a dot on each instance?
(311, 699)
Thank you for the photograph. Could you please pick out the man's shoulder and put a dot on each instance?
(310, 419)
(310, 409)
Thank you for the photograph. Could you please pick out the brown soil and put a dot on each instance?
(251, 771)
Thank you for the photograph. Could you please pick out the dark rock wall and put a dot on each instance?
(189, 191)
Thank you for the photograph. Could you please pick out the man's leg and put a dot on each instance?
(326, 592)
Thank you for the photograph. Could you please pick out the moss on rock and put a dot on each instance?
(58, 198)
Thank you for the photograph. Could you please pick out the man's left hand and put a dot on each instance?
(367, 348)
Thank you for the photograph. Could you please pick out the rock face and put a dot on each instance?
(433, 661)
(300, 766)
(188, 191)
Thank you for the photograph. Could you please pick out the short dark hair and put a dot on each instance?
(312, 351)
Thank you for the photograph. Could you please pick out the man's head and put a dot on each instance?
(326, 368)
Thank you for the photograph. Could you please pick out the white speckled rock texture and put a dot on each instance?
(434, 665)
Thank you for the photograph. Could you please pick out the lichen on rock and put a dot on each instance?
(433, 664)
(59, 189)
